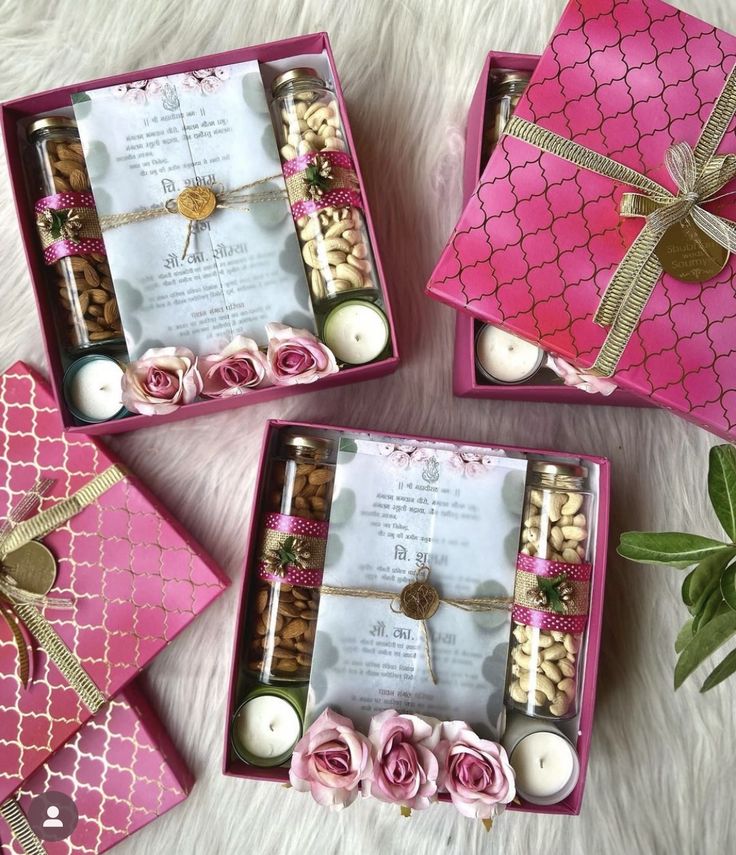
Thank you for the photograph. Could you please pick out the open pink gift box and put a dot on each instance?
(541, 238)
(467, 380)
(15, 116)
(120, 770)
(125, 578)
(578, 729)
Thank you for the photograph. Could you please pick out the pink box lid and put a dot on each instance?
(539, 241)
(134, 576)
(120, 769)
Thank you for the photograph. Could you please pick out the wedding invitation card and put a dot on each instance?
(399, 510)
(195, 282)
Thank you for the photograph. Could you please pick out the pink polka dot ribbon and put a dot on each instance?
(340, 189)
(305, 539)
(72, 207)
(528, 612)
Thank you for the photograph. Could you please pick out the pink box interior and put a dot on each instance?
(135, 578)
(466, 381)
(232, 765)
(121, 770)
(13, 112)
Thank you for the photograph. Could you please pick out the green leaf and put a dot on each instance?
(349, 445)
(722, 486)
(708, 610)
(80, 98)
(676, 549)
(720, 672)
(728, 586)
(706, 578)
(705, 642)
(684, 636)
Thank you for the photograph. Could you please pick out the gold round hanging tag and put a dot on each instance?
(688, 254)
(419, 600)
(196, 203)
(32, 567)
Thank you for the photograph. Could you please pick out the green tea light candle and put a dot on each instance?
(268, 724)
(93, 390)
(356, 331)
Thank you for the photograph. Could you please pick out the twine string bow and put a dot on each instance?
(211, 198)
(21, 608)
(419, 600)
(699, 174)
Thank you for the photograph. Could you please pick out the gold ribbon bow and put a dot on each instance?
(26, 605)
(419, 600)
(198, 203)
(699, 174)
(12, 813)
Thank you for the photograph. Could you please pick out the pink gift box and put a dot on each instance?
(15, 114)
(467, 381)
(540, 239)
(133, 577)
(120, 769)
(233, 765)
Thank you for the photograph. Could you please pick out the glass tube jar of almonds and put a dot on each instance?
(290, 559)
(88, 315)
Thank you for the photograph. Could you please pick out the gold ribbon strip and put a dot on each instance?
(198, 203)
(419, 600)
(26, 604)
(79, 224)
(699, 175)
(11, 812)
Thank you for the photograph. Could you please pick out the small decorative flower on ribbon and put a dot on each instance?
(318, 176)
(556, 594)
(292, 552)
(59, 225)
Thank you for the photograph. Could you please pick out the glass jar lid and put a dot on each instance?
(312, 446)
(568, 476)
(294, 75)
(49, 123)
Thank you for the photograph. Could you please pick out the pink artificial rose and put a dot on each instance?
(331, 761)
(474, 771)
(138, 84)
(399, 459)
(222, 71)
(572, 376)
(210, 85)
(136, 96)
(163, 379)
(240, 366)
(297, 356)
(189, 81)
(405, 768)
(202, 73)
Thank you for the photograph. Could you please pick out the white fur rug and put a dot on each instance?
(661, 770)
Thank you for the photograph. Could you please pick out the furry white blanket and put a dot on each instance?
(661, 770)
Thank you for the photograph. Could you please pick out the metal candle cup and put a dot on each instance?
(504, 358)
(356, 331)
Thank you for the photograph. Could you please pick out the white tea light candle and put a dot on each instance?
(546, 767)
(267, 726)
(506, 358)
(356, 331)
(92, 388)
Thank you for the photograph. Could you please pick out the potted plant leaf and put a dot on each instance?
(709, 589)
